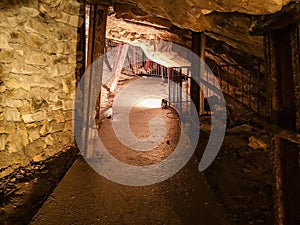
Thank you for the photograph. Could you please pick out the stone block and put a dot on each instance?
(11, 102)
(64, 69)
(21, 128)
(49, 140)
(66, 34)
(67, 84)
(51, 71)
(66, 47)
(6, 55)
(7, 127)
(21, 68)
(72, 7)
(4, 41)
(35, 26)
(51, 3)
(33, 134)
(3, 141)
(13, 159)
(67, 138)
(25, 108)
(16, 37)
(34, 40)
(16, 84)
(53, 95)
(36, 58)
(75, 21)
(35, 92)
(64, 95)
(35, 117)
(68, 125)
(45, 128)
(53, 150)
(58, 116)
(14, 142)
(20, 93)
(39, 157)
(6, 172)
(68, 115)
(68, 104)
(55, 127)
(8, 20)
(2, 89)
(50, 82)
(58, 105)
(28, 11)
(35, 148)
(39, 104)
(12, 114)
(50, 47)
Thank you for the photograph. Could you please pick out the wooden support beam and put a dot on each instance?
(96, 46)
(198, 47)
(295, 49)
(282, 60)
(120, 60)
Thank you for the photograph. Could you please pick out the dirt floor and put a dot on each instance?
(23, 192)
(241, 176)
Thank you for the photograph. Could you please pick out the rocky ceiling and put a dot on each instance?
(226, 22)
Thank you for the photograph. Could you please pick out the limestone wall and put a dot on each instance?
(38, 60)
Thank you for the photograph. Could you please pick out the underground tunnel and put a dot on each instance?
(149, 112)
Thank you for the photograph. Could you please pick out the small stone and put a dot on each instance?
(13, 180)
(19, 176)
(38, 158)
(256, 143)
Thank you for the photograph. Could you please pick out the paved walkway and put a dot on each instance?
(84, 197)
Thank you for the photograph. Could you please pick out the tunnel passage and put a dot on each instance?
(44, 53)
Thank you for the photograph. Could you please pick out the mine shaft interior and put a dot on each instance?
(148, 112)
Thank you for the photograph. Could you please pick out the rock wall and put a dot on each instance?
(38, 62)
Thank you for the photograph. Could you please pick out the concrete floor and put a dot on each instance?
(85, 197)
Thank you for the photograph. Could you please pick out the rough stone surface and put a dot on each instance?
(38, 45)
(195, 11)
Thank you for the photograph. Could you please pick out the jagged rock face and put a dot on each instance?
(233, 29)
(130, 31)
(224, 21)
(192, 14)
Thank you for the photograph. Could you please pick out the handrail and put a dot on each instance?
(270, 127)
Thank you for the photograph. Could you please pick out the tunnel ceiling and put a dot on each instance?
(227, 23)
